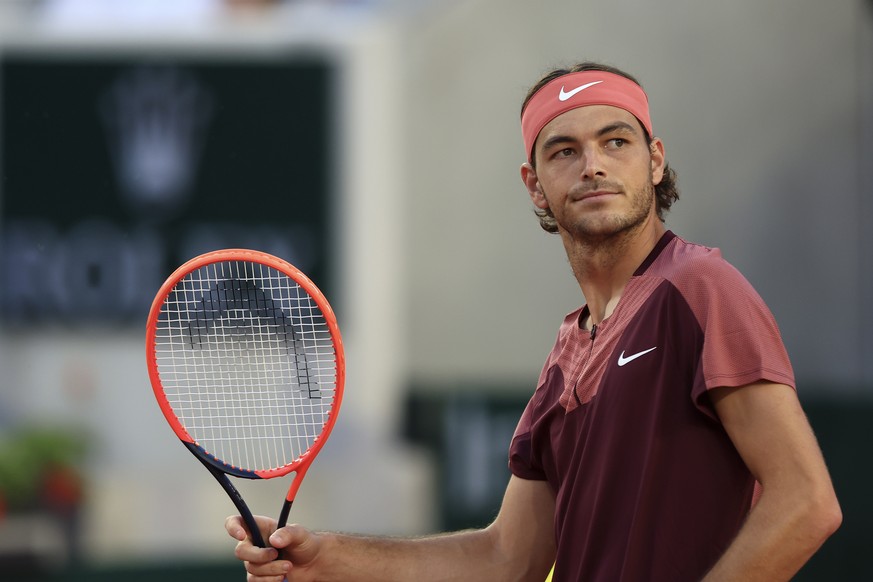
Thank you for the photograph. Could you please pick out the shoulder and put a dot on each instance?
(711, 286)
(696, 269)
(566, 342)
(569, 329)
(687, 259)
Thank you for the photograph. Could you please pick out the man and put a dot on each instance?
(665, 441)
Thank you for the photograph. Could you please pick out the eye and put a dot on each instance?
(564, 153)
(617, 142)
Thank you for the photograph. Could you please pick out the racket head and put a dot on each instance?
(246, 362)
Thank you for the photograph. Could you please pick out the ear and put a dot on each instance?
(529, 177)
(656, 151)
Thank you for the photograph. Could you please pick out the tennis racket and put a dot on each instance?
(246, 362)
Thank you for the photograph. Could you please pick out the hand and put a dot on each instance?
(292, 555)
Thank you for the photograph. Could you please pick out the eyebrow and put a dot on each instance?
(618, 126)
(555, 140)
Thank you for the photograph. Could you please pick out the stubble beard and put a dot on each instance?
(597, 228)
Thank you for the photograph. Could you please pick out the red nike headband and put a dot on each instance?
(579, 90)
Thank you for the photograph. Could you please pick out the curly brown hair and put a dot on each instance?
(666, 191)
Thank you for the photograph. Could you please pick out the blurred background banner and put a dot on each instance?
(376, 145)
(116, 169)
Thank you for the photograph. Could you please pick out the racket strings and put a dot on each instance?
(247, 363)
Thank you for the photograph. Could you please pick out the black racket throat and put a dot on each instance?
(219, 471)
(210, 460)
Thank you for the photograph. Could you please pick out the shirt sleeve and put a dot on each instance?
(741, 340)
(521, 456)
(524, 459)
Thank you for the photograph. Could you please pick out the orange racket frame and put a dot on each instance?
(216, 466)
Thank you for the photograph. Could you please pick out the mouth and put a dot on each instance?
(595, 195)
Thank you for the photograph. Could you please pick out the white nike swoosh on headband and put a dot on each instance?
(564, 95)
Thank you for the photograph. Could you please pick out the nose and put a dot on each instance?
(592, 164)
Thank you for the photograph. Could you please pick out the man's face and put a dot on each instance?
(595, 172)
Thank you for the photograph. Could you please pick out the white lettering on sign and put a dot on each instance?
(98, 272)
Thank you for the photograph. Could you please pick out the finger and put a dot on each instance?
(248, 552)
(238, 529)
(235, 526)
(275, 570)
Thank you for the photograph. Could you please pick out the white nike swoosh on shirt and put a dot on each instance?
(622, 360)
(564, 95)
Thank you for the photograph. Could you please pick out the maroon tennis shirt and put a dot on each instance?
(648, 486)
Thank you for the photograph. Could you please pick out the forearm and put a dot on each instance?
(517, 547)
(781, 533)
(467, 555)
(798, 509)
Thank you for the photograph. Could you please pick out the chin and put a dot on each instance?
(606, 227)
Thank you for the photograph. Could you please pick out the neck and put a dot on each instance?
(603, 266)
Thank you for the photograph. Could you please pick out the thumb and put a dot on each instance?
(296, 544)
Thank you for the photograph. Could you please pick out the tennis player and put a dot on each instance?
(665, 440)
